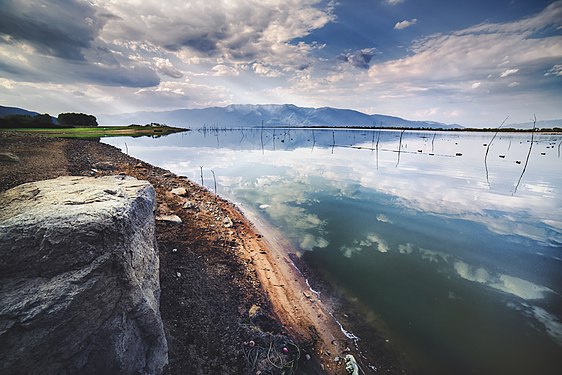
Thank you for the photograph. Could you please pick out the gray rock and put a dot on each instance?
(79, 283)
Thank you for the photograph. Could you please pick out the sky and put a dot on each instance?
(468, 62)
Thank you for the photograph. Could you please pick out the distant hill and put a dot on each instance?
(7, 111)
(246, 115)
(540, 124)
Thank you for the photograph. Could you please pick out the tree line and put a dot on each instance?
(46, 121)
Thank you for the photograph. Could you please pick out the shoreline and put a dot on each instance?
(258, 267)
(212, 275)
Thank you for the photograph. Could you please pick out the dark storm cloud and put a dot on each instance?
(67, 30)
(359, 59)
(62, 29)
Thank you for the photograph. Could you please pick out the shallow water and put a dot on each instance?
(457, 255)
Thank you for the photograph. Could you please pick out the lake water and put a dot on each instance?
(457, 254)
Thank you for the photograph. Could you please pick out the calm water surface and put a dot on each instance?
(460, 260)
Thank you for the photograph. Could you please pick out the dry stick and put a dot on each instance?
(261, 136)
(488, 149)
(528, 154)
(559, 148)
(378, 138)
(333, 141)
(313, 141)
(201, 167)
(127, 148)
(399, 148)
(215, 179)
(433, 140)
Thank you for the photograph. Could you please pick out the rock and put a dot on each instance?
(79, 282)
(227, 222)
(175, 219)
(179, 191)
(188, 205)
(9, 157)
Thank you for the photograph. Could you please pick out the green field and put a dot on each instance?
(102, 131)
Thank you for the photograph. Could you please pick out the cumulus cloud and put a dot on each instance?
(508, 72)
(394, 2)
(439, 64)
(556, 70)
(244, 31)
(165, 67)
(360, 58)
(113, 42)
(404, 24)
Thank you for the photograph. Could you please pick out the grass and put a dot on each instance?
(103, 131)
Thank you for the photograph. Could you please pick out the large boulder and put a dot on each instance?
(79, 283)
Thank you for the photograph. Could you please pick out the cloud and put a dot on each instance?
(476, 85)
(514, 84)
(394, 2)
(61, 29)
(244, 31)
(448, 65)
(404, 24)
(115, 42)
(556, 70)
(165, 67)
(360, 58)
(508, 72)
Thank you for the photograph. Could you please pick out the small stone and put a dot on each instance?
(188, 205)
(337, 359)
(178, 274)
(307, 356)
(175, 219)
(227, 222)
(174, 250)
(179, 191)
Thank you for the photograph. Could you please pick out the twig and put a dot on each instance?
(201, 167)
(528, 154)
(400, 147)
(488, 149)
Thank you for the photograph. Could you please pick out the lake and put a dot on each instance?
(451, 242)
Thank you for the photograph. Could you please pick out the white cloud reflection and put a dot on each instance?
(504, 283)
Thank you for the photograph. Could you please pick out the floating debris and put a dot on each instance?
(458, 154)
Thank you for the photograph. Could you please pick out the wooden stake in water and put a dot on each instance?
(488, 149)
(201, 167)
(528, 154)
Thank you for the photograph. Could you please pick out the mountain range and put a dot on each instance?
(271, 115)
(7, 111)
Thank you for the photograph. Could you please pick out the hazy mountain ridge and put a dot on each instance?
(7, 111)
(249, 115)
(540, 124)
